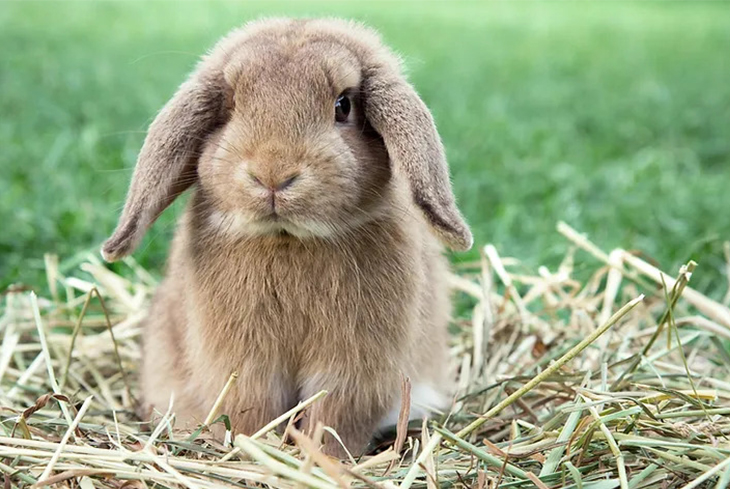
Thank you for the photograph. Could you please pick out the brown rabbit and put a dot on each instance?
(309, 255)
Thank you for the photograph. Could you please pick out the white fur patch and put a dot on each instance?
(424, 400)
(228, 223)
(237, 225)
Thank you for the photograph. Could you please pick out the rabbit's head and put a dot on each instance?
(292, 127)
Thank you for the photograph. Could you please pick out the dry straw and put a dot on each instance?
(604, 373)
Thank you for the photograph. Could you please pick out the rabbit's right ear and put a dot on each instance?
(404, 122)
(167, 163)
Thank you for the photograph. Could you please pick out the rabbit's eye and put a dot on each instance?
(342, 108)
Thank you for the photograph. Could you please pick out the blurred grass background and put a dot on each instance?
(614, 117)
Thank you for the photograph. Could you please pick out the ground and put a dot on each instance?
(613, 117)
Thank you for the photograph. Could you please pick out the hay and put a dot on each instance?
(644, 404)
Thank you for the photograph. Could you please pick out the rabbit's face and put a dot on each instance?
(297, 155)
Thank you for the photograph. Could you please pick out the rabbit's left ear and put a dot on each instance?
(404, 122)
(167, 163)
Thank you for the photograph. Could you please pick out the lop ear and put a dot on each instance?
(404, 122)
(167, 163)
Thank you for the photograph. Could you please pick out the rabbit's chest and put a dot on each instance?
(287, 304)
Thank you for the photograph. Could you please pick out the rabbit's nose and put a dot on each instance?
(273, 183)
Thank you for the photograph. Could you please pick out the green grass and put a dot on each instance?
(613, 117)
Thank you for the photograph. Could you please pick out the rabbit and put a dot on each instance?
(310, 255)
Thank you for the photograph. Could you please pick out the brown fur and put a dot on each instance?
(346, 290)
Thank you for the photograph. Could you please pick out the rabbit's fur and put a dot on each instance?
(345, 288)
